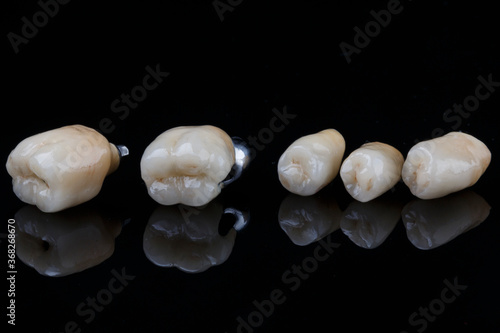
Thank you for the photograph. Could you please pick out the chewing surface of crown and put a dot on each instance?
(371, 170)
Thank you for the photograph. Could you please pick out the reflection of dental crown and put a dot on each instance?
(308, 219)
(369, 224)
(188, 238)
(64, 243)
(428, 223)
(432, 223)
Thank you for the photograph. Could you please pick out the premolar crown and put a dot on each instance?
(437, 167)
(371, 170)
(311, 162)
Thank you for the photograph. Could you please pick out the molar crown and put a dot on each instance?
(61, 168)
(187, 164)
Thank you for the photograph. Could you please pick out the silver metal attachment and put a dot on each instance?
(242, 218)
(242, 159)
(122, 150)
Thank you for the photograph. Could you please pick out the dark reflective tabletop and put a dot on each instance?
(257, 258)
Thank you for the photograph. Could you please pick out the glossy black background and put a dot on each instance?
(232, 74)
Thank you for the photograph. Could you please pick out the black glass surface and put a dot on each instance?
(267, 73)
